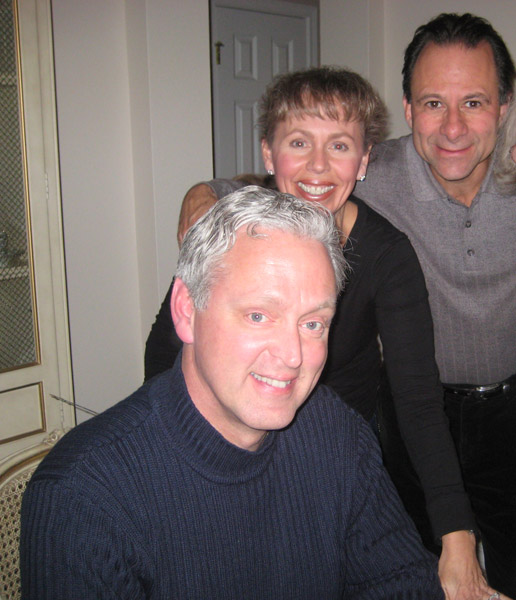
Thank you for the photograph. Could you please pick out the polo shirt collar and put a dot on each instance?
(429, 189)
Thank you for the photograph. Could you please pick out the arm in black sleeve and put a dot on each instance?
(163, 344)
(406, 331)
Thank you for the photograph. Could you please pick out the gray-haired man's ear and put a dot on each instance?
(183, 311)
(513, 153)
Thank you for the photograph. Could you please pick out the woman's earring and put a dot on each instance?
(270, 172)
(361, 178)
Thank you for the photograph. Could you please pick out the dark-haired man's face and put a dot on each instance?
(454, 114)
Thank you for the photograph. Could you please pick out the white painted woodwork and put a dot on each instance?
(28, 412)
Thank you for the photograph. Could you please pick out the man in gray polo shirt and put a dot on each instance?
(436, 186)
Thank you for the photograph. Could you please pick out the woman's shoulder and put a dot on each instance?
(373, 227)
(376, 248)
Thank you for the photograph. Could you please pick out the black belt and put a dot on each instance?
(481, 391)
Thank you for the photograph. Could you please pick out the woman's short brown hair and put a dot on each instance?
(324, 92)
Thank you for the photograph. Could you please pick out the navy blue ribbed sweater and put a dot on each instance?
(147, 500)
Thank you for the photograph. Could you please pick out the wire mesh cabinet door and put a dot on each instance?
(34, 340)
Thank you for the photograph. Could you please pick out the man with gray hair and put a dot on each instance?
(216, 479)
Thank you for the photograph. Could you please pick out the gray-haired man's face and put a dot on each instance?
(253, 356)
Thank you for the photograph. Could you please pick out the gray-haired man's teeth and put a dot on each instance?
(274, 382)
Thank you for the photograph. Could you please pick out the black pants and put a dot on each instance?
(484, 432)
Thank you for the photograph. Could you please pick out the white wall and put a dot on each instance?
(133, 95)
(179, 71)
(134, 117)
(98, 198)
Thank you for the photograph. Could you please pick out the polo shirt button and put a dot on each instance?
(468, 223)
(471, 252)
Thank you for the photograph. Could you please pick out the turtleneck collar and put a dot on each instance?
(199, 443)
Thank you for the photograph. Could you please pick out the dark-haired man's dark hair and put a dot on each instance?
(468, 30)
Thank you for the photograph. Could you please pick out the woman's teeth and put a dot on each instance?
(315, 190)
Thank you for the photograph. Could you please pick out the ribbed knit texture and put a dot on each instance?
(147, 500)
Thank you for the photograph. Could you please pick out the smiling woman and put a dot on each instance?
(317, 128)
(317, 161)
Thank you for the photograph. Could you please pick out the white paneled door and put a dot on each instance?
(251, 43)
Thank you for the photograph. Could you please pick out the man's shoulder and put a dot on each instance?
(388, 176)
(389, 152)
(96, 443)
(386, 171)
(328, 431)
(328, 414)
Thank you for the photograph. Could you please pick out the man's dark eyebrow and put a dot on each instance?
(470, 96)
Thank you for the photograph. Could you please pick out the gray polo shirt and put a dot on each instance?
(468, 256)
